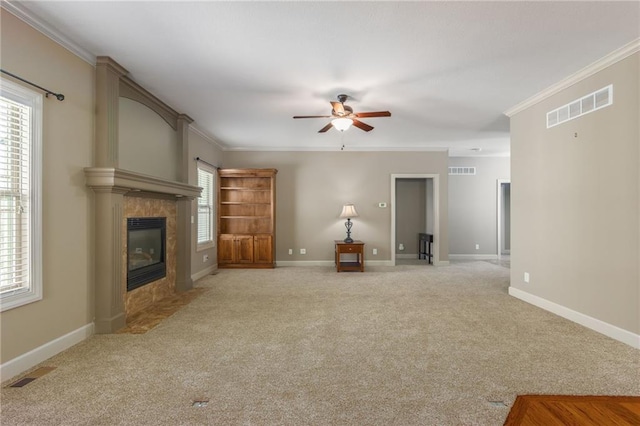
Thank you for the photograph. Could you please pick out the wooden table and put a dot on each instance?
(357, 248)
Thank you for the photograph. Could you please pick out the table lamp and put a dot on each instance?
(348, 211)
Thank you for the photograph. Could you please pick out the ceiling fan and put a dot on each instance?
(343, 116)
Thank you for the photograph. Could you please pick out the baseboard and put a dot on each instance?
(472, 256)
(330, 263)
(442, 263)
(203, 273)
(594, 324)
(305, 263)
(34, 357)
(377, 263)
(406, 255)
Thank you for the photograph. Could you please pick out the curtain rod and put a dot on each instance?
(206, 162)
(58, 96)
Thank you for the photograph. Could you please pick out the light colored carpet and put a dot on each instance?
(406, 345)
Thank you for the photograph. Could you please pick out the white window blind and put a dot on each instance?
(20, 230)
(205, 206)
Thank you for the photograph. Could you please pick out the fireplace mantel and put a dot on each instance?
(109, 179)
(112, 187)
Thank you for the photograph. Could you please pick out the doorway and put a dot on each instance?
(504, 217)
(429, 221)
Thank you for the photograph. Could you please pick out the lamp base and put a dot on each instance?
(348, 224)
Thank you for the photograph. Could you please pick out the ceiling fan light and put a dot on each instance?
(342, 124)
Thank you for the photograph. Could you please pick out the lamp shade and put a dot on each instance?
(342, 124)
(348, 211)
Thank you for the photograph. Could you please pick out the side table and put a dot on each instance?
(357, 248)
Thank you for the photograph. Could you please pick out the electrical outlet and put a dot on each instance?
(205, 258)
(375, 252)
(477, 246)
(303, 251)
(526, 277)
(290, 251)
(401, 247)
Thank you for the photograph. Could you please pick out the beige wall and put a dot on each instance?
(473, 205)
(313, 186)
(575, 201)
(145, 135)
(209, 152)
(67, 140)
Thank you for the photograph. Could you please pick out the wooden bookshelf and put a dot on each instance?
(246, 218)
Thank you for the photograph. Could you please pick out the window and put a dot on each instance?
(205, 208)
(20, 200)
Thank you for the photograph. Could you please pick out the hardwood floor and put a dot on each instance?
(550, 410)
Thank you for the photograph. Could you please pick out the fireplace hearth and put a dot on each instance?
(146, 253)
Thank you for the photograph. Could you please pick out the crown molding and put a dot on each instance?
(610, 59)
(22, 13)
(339, 148)
(208, 138)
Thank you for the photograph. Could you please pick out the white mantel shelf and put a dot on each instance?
(110, 179)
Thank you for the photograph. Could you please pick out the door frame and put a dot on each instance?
(436, 211)
(499, 206)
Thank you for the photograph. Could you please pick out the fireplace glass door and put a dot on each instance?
(146, 250)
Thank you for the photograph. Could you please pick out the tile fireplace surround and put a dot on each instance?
(150, 293)
(118, 195)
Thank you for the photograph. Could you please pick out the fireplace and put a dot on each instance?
(146, 253)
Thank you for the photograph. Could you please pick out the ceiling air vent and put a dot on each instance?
(466, 171)
(592, 102)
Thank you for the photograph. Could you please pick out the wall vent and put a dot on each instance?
(466, 171)
(589, 103)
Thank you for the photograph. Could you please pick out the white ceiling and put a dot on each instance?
(446, 70)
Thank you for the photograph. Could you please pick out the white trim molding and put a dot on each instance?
(340, 148)
(280, 263)
(406, 255)
(436, 212)
(499, 217)
(331, 263)
(29, 289)
(594, 324)
(610, 59)
(34, 357)
(472, 256)
(195, 129)
(24, 14)
(206, 271)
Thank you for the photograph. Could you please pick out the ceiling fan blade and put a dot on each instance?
(311, 116)
(338, 107)
(373, 114)
(325, 128)
(359, 124)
